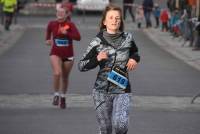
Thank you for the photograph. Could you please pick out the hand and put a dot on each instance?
(102, 56)
(63, 30)
(131, 64)
(49, 42)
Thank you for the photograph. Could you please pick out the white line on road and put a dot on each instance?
(30, 101)
(82, 26)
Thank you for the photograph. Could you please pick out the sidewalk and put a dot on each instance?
(175, 46)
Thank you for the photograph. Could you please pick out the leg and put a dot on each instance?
(146, 19)
(131, 13)
(66, 69)
(10, 19)
(157, 22)
(149, 19)
(6, 19)
(124, 11)
(56, 64)
(164, 26)
(121, 113)
(103, 105)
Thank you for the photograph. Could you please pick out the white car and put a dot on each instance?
(91, 5)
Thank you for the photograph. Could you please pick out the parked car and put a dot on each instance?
(91, 5)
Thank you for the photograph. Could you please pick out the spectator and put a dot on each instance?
(164, 17)
(148, 7)
(170, 5)
(139, 16)
(157, 14)
(197, 42)
(9, 7)
(128, 5)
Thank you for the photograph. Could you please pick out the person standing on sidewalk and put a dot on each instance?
(197, 41)
(60, 35)
(148, 7)
(128, 5)
(9, 7)
(116, 53)
(157, 14)
(139, 16)
(164, 17)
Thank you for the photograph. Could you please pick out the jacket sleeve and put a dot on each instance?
(89, 59)
(134, 51)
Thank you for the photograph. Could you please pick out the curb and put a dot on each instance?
(166, 103)
(173, 46)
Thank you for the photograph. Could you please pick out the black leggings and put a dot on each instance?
(8, 20)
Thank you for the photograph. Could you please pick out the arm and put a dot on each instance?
(73, 33)
(48, 34)
(134, 57)
(89, 59)
(134, 52)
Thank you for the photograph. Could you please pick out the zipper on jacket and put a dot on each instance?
(112, 68)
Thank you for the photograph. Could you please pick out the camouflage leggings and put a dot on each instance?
(112, 111)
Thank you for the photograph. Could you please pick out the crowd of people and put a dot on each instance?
(179, 17)
(185, 21)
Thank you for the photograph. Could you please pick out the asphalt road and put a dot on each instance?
(82, 120)
(27, 69)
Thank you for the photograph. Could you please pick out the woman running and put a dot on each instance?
(60, 35)
(116, 53)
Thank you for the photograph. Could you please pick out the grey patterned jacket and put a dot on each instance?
(118, 56)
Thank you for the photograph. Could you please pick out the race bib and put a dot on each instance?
(117, 77)
(61, 42)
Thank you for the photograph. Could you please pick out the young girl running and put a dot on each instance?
(60, 35)
(116, 53)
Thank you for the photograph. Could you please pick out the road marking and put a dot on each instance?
(81, 26)
(30, 101)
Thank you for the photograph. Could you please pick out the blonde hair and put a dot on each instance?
(108, 8)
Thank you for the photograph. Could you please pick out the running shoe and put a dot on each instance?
(55, 100)
(62, 103)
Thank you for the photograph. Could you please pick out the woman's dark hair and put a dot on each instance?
(109, 8)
